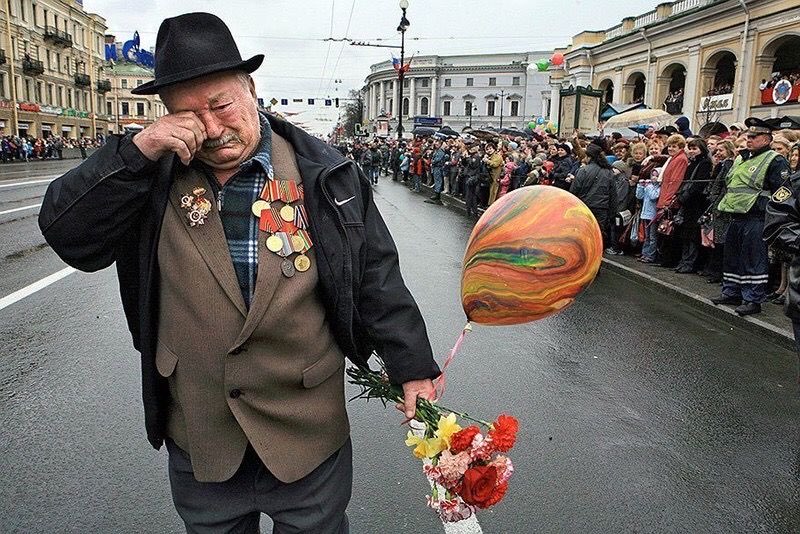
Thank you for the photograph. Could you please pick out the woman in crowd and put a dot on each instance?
(692, 204)
(723, 157)
(671, 179)
(565, 166)
(594, 185)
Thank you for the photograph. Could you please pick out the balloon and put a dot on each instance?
(540, 120)
(529, 256)
(557, 59)
(542, 65)
(532, 125)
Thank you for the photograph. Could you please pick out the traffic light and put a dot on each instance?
(337, 102)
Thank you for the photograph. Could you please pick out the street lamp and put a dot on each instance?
(501, 95)
(404, 24)
(472, 108)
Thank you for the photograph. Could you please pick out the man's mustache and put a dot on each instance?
(216, 143)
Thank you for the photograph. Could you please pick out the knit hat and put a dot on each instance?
(622, 167)
(593, 150)
(537, 162)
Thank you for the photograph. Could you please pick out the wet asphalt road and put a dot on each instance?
(639, 413)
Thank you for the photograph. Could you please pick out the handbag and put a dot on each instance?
(707, 230)
(665, 223)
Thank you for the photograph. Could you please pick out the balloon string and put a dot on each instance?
(441, 382)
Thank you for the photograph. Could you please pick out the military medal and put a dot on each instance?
(286, 225)
(287, 213)
(259, 206)
(302, 263)
(197, 206)
(287, 268)
(274, 243)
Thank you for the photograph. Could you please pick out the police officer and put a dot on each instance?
(782, 231)
(756, 175)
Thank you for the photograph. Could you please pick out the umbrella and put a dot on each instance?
(790, 122)
(423, 130)
(640, 117)
(513, 132)
(446, 130)
(712, 128)
(484, 134)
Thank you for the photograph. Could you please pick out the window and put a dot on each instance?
(310, 101)
(140, 109)
(69, 98)
(139, 82)
(2, 85)
(446, 107)
(109, 108)
(515, 108)
(423, 106)
(35, 18)
(405, 107)
(391, 86)
(22, 11)
(58, 61)
(492, 82)
(448, 82)
(405, 83)
(284, 101)
(39, 92)
(424, 82)
(28, 91)
(125, 108)
(468, 108)
(50, 94)
(515, 80)
(60, 95)
(391, 105)
(469, 82)
(490, 107)
(124, 83)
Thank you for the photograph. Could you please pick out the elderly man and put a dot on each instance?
(756, 174)
(251, 261)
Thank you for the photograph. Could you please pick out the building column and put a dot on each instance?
(690, 88)
(370, 102)
(618, 83)
(650, 86)
(434, 95)
(555, 102)
(382, 105)
(412, 97)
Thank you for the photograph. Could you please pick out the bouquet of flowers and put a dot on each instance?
(466, 467)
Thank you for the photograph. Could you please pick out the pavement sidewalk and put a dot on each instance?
(771, 322)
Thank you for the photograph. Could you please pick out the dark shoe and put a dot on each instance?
(773, 295)
(780, 300)
(714, 280)
(748, 308)
(685, 270)
(726, 300)
(433, 201)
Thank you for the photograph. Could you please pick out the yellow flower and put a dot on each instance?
(425, 448)
(447, 427)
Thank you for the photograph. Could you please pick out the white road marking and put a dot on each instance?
(16, 296)
(23, 208)
(30, 182)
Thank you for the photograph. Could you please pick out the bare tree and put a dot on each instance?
(353, 112)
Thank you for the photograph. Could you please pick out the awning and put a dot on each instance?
(23, 125)
(47, 127)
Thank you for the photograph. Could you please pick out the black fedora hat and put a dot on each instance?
(193, 45)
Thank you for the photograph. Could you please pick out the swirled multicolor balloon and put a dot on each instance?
(530, 254)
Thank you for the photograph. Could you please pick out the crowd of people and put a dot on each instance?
(27, 148)
(791, 77)
(656, 197)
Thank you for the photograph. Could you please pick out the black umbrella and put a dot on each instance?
(446, 130)
(423, 130)
(712, 128)
(787, 122)
(513, 132)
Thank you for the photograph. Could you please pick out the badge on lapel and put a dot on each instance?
(197, 206)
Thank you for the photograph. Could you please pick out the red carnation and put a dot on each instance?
(478, 485)
(504, 433)
(462, 440)
(497, 495)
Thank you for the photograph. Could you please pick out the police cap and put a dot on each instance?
(757, 126)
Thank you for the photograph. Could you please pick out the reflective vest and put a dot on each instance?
(746, 183)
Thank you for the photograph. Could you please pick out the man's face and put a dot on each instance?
(226, 105)
(756, 142)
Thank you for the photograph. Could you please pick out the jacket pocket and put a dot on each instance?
(322, 369)
(166, 360)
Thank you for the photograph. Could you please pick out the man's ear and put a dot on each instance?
(252, 86)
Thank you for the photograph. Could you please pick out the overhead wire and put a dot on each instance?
(328, 51)
(339, 57)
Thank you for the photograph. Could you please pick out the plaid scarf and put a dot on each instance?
(235, 201)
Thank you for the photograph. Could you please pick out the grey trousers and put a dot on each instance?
(314, 504)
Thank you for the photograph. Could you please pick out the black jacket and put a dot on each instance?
(782, 230)
(690, 193)
(109, 211)
(596, 187)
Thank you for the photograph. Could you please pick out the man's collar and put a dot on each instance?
(263, 154)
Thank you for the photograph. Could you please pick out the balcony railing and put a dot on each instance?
(58, 37)
(32, 67)
(2, 57)
(82, 80)
(103, 86)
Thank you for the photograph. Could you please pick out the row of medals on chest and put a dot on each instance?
(286, 226)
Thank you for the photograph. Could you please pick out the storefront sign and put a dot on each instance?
(717, 103)
(24, 125)
(27, 106)
(66, 128)
(6, 104)
(427, 121)
(47, 127)
(51, 110)
(70, 112)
